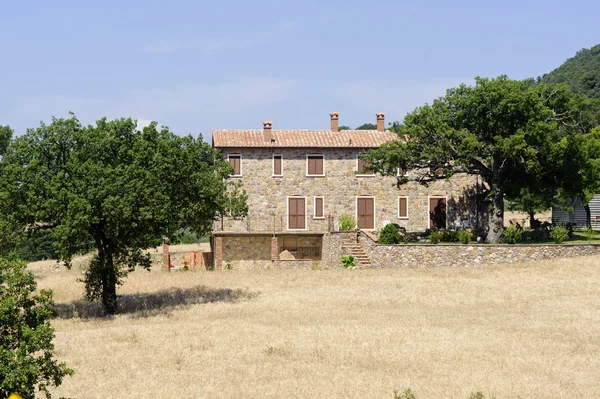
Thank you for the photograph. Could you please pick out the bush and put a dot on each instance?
(26, 362)
(406, 394)
(347, 222)
(476, 232)
(435, 236)
(589, 233)
(512, 235)
(348, 261)
(449, 236)
(464, 236)
(559, 234)
(390, 235)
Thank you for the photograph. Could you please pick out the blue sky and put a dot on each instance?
(197, 65)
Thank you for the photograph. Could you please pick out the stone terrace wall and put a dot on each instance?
(444, 255)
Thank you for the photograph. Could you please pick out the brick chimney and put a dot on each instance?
(335, 121)
(380, 122)
(267, 134)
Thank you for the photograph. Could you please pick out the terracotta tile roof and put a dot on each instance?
(302, 138)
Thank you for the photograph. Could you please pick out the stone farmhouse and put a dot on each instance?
(299, 182)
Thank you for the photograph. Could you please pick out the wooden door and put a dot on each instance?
(366, 213)
(296, 214)
(437, 213)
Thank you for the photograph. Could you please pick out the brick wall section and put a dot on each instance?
(274, 248)
(218, 248)
(197, 260)
(424, 255)
(166, 257)
(267, 195)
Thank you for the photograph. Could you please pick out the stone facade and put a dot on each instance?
(446, 255)
(340, 186)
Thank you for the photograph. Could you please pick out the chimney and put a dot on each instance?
(335, 121)
(267, 135)
(380, 122)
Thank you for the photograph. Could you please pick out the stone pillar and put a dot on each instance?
(274, 249)
(166, 256)
(218, 252)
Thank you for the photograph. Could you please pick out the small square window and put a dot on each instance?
(236, 163)
(314, 165)
(362, 167)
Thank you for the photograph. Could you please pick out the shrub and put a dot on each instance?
(347, 222)
(589, 233)
(406, 394)
(435, 236)
(26, 359)
(559, 234)
(464, 236)
(348, 261)
(476, 232)
(512, 235)
(390, 235)
(449, 236)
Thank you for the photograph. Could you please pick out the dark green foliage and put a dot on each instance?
(27, 365)
(581, 73)
(367, 126)
(590, 233)
(449, 236)
(559, 234)
(513, 134)
(187, 236)
(464, 236)
(435, 236)
(390, 235)
(5, 137)
(115, 186)
(512, 235)
(344, 128)
(347, 261)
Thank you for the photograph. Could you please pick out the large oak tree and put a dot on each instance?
(114, 186)
(506, 131)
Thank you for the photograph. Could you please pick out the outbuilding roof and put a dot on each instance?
(301, 138)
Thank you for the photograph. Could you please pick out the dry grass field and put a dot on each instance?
(528, 331)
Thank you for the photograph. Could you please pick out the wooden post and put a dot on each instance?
(166, 256)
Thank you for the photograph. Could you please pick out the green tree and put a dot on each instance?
(5, 137)
(367, 126)
(115, 187)
(344, 128)
(27, 365)
(505, 131)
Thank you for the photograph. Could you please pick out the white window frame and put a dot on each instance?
(315, 207)
(407, 216)
(357, 171)
(427, 209)
(398, 173)
(241, 163)
(315, 155)
(273, 166)
(374, 211)
(287, 213)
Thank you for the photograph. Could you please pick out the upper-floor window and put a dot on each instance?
(235, 160)
(318, 206)
(363, 166)
(402, 207)
(277, 165)
(314, 165)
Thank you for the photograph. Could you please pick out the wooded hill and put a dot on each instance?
(581, 73)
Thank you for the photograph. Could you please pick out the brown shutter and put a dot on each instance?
(319, 207)
(366, 213)
(362, 167)
(311, 166)
(296, 213)
(402, 207)
(301, 213)
(277, 165)
(315, 165)
(234, 161)
(319, 166)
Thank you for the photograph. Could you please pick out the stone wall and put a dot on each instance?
(446, 255)
(268, 194)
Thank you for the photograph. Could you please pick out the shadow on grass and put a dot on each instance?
(153, 304)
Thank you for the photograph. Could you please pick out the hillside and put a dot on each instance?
(581, 72)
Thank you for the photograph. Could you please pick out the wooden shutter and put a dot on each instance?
(366, 213)
(235, 162)
(402, 207)
(318, 207)
(315, 164)
(277, 165)
(296, 213)
(362, 167)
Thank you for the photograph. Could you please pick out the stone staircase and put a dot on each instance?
(361, 259)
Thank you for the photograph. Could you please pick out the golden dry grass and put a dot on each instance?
(530, 330)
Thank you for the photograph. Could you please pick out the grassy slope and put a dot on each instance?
(526, 330)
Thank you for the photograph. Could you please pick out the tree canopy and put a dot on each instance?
(114, 187)
(5, 137)
(581, 72)
(367, 126)
(509, 132)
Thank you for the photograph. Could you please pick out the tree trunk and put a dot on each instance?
(588, 215)
(109, 285)
(496, 223)
(532, 224)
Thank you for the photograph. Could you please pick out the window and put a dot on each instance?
(296, 213)
(290, 244)
(402, 207)
(401, 172)
(236, 163)
(361, 167)
(314, 165)
(277, 165)
(319, 214)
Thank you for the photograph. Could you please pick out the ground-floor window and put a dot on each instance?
(296, 213)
